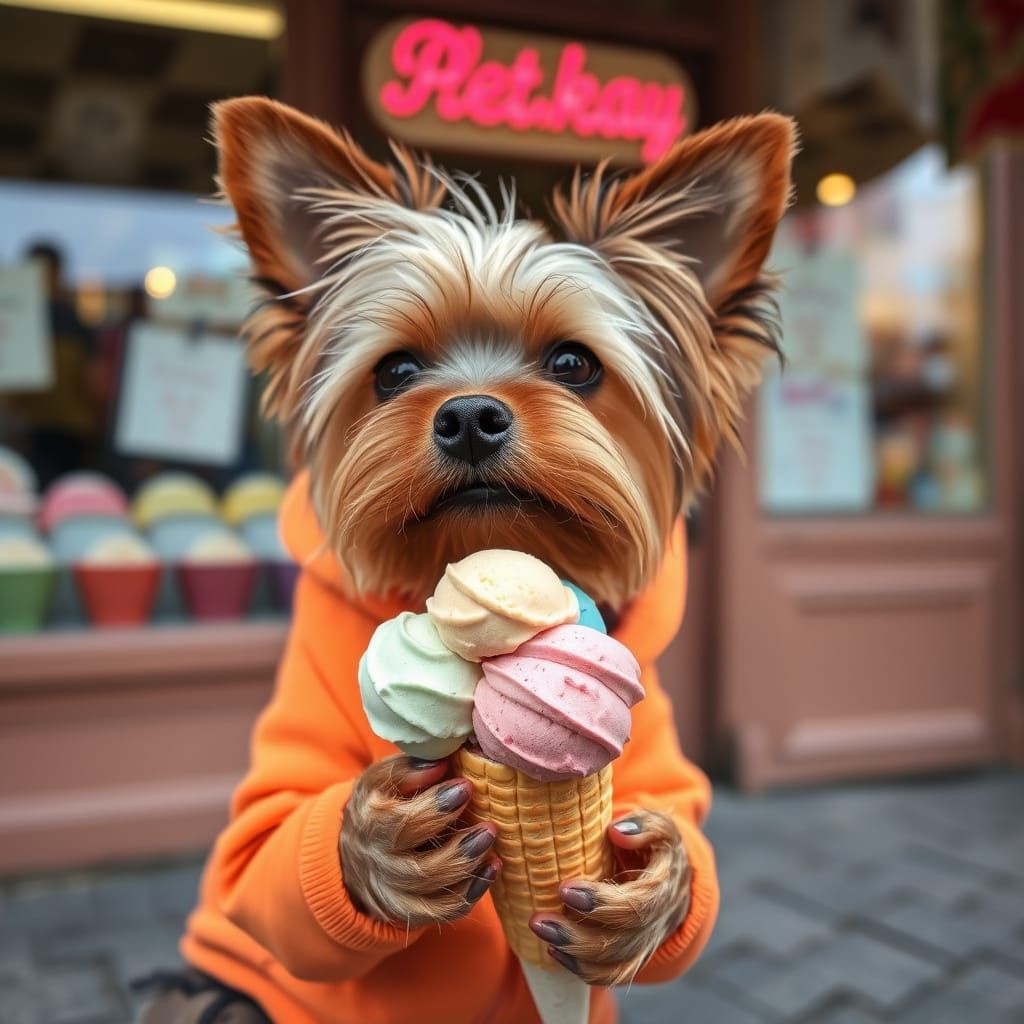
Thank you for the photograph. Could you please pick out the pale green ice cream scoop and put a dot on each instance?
(416, 693)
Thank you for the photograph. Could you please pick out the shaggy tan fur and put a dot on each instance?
(633, 913)
(403, 857)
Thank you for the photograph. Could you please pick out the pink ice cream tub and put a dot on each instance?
(217, 591)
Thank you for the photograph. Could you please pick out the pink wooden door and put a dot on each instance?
(884, 640)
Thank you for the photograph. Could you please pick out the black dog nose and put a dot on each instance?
(472, 427)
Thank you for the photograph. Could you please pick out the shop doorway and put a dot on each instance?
(868, 566)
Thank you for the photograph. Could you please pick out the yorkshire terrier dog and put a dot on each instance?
(457, 378)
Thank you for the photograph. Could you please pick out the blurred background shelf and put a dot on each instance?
(125, 743)
(66, 659)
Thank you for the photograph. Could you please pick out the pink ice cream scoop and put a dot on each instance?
(558, 707)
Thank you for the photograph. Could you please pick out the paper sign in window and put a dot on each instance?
(26, 348)
(182, 396)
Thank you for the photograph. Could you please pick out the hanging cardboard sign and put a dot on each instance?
(182, 396)
(26, 347)
(488, 90)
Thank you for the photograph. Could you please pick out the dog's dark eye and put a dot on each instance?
(573, 365)
(395, 372)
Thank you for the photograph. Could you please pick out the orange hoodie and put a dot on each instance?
(275, 920)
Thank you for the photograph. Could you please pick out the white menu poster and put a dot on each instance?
(26, 348)
(815, 443)
(815, 452)
(182, 396)
(821, 326)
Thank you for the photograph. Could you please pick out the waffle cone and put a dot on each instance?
(548, 832)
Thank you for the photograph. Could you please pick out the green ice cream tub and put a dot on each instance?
(25, 595)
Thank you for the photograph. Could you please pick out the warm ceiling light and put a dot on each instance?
(254, 21)
(836, 189)
(160, 282)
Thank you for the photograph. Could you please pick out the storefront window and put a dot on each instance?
(881, 404)
(122, 274)
(138, 482)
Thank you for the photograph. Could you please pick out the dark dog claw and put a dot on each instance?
(477, 842)
(452, 796)
(549, 931)
(481, 883)
(579, 899)
(628, 827)
(568, 962)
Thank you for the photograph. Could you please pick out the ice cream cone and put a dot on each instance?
(548, 832)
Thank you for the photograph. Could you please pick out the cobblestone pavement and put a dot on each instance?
(900, 902)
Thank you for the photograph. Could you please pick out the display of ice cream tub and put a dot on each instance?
(250, 505)
(174, 510)
(78, 511)
(117, 579)
(261, 536)
(17, 526)
(218, 576)
(27, 577)
(81, 496)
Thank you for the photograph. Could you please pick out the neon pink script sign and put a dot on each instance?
(438, 66)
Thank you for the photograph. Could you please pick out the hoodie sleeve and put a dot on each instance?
(278, 862)
(652, 773)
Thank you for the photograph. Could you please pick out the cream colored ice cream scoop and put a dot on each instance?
(119, 549)
(21, 552)
(492, 601)
(416, 693)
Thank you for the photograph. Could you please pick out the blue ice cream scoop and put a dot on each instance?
(589, 615)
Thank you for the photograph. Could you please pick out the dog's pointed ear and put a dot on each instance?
(689, 235)
(715, 199)
(270, 159)
(276, 167)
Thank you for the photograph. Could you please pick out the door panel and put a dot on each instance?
(851, 651)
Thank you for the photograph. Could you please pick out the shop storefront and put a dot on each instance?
(853, 584)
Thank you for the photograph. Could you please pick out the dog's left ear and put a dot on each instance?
(689, 234)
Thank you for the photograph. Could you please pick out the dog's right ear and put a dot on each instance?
(276, 166)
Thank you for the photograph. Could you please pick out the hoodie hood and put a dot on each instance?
(646, 626)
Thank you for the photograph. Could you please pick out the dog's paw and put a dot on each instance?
(611, 929)
(404, 857)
